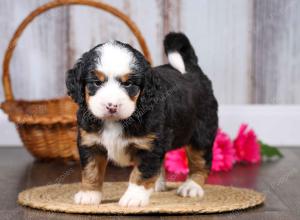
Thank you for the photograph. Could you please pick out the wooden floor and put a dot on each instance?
(279, 180)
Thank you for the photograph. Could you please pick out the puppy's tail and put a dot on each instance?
(180, 53)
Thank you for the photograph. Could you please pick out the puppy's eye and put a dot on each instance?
(127, 84)
(97, 83)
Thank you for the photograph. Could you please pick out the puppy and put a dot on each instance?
(132, 114)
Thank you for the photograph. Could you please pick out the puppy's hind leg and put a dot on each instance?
(160, 184)
(199, 161)
(192, 187)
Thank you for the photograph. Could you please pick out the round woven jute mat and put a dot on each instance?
(59, 198)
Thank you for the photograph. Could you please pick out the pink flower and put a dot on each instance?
(176, 165)
(246, 145)
(223, 152)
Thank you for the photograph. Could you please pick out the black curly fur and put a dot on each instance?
(180, 109)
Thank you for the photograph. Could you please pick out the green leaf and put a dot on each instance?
(269, 151)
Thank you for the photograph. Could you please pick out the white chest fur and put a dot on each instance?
(114, 142)
(112, 138)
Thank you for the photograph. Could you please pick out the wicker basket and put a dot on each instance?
(48, 127)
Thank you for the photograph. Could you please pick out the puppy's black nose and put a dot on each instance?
(112, 108)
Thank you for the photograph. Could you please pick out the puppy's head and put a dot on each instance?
(108, 80)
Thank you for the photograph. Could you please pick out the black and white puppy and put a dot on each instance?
(132, 114)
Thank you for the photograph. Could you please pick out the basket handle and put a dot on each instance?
(53, 4)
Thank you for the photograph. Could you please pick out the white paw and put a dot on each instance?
(190, 189)
(160, 184)
(88, 197)
(135, 196)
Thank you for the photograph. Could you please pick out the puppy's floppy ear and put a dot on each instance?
(74, 82)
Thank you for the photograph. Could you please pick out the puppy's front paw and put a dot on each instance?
(190, 189)
(135, 196)
(88, 197)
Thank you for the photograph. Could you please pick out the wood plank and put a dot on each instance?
(38, 65)
(249, 177)
(171, 15)
(282, 178)
(248, 48)
(221, 34)
(297, 152)
(18, 171)
(239, 215)
(147, 16)
(276, 52)
(90, 27)
(99, 27)
(171, 19)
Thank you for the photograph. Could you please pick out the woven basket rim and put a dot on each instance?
(10, 108)
(6, 80)
(37, 101)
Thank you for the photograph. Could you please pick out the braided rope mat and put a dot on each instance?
(59, 197)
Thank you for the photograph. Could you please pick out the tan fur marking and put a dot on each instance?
(144, 143)
(89, 138)
(136, 175)
(136, 178)
(93, 173)
(135, 98)
(124, 77)
(87, 96)
(131, 151)
(100, 75)
(198, 171)
(92, 138)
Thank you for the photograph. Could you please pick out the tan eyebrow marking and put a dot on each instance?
(124, 78)
(100, 75)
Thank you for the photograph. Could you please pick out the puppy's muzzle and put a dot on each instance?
(112, 108)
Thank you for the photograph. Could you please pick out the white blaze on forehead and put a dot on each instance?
(115, 60)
